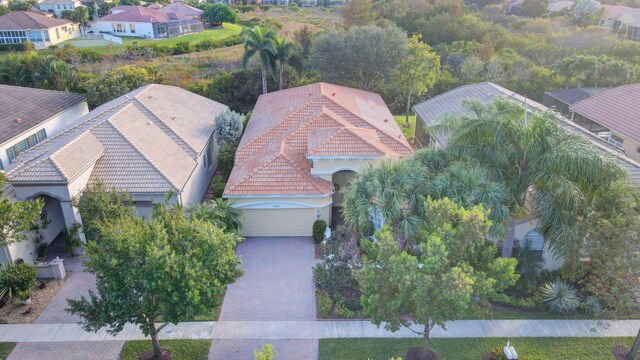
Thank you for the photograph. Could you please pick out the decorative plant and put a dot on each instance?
(217, 186)
(16, 280)
(341, 255)
(319, 227)
(324, 303)
(73, 238)
(530, 267)
(560, 296)
(591, 305)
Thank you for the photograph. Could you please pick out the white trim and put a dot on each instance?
(280, 205)
(253, 196)
(346, 168)
(350, 157)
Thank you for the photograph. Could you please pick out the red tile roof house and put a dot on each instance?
(183, 9)
(35, 27)
(139, 21)
(300, 147)
(153, 141)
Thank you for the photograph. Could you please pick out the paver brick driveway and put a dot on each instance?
(277, 283)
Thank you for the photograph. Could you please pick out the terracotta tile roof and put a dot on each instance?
(42, 105)
(617, 109)
(146, 141)
(321, 119)
(141, 14)
(29, 20)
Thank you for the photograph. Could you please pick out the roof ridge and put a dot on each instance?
(142, 154)
(254, 171)
(64, 147)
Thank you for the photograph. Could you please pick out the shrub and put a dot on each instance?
(17, 280)
(340, 257)
(342, 310)
(324, 303)
(226, 157)
(265, 7)
(495, 354)
(266, 353)
(89, 55)
(591, 305)
(529, 303)
(17, 47)
(217, 186)
(183, 47)
(560, 296)
(207, 44)
(246, 8)
(319, 227)
(228, 127)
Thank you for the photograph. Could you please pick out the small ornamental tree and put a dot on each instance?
(16, 216)
(228, 127)
(172, 267)
(216, 14)
(455, 265)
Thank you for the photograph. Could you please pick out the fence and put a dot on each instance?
(113, 39)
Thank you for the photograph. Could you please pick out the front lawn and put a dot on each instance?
(180, 349)
(407, 131)
(5, 349)
(455, 349)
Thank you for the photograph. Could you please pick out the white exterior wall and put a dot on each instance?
(51, 126)
(58, 8)
(198, 182)
(141, 29)
(550, 261)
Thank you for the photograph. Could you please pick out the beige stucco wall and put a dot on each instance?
(325, 168)
(58, 34)
(282, 222)
(550, 261)
(629, 145)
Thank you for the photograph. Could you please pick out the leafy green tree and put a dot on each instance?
(549, 172)
(117, 82)
(228, 127)
(534, 8)
(217, 14)
(418, 71)
(226, 158)
(239, 89)
(104, 7)
(455, 265)
(358, 13)
(219, 212)
(287, 53)
(98, 204)
(79, 14)
(19, 5)
(4, 9)
(261, 44)
(16, 217)
(390, 189)
(172, 267)
(362, 57)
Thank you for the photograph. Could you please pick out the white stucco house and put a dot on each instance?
(154, 141)
(140, 21)
(300, 146)
(19, 27)
(58, 6)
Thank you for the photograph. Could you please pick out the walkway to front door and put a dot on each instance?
(277, 283)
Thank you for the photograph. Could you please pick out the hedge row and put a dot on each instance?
(17, 47)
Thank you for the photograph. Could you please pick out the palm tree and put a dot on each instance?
(550, 172)
(390, 189)
(262, 44)
(286, 53)
(219, 212)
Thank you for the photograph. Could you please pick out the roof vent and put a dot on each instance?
(386, 120)
(174, 117)
(18, 120)
(150, 96)
(333, 94)
(126, 97)
(149, 122)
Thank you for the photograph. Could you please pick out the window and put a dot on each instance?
(132, 28)
(535, 241)
(57, 34)
(11, 153)
(375, 215)
(638, 150)
(207, 155)
(1, 166)
(42, 134)
(615, 141)
(26, 144)
(118, 28)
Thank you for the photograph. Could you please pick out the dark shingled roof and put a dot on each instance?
(451, 102)
(571, 96)
(29, 20)
(32, 106)
(618, 109)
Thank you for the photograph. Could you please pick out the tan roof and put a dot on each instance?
(617, 109)
(146, 141)
(287, 128)
(29, 20)
(181, 8)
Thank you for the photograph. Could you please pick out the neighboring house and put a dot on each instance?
(58, 6)
(28, 116)
(276, 2)
(622, 19)
(561, 100)
(615, 115)
(559, 6)
(183, 9)
(300, 147)
(28, 26)
(155, 6)
(452, 103)
(153, 142)
(139, 21)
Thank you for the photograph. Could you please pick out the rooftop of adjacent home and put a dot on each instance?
(22, 108)
(29, 20)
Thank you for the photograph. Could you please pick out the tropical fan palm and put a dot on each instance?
(261, 44)
(392, 188)
(550, 172)
(219, 212)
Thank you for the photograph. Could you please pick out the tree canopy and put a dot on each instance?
(16, 217)
(217, 14)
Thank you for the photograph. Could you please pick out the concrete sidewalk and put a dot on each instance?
(324, 329)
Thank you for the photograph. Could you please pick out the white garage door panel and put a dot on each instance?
(277, 222)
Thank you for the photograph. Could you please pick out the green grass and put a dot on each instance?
(180, 349)
(407, 131)
(456, 349)
(208, 34)
(5, 349)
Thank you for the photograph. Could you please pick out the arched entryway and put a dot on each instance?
(340, 180)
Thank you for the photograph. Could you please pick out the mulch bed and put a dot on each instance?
(15, 312)
(620, 352)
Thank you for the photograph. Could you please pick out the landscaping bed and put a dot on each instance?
(179, 349)
(455, 349)
(15, 312)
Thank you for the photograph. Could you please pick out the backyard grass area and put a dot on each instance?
(208, 34)
(407, 131)
(180, 349)
(5, 349)
(456, 349)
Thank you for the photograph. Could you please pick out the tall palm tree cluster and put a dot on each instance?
(37, 70)
(273, 54)
(514, 164)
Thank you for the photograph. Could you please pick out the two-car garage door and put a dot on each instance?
(277, 222)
